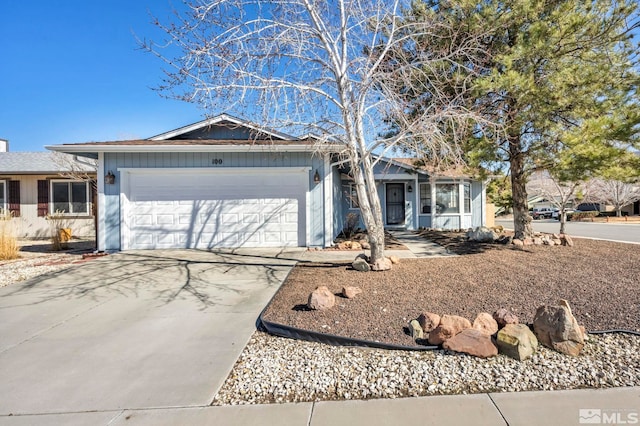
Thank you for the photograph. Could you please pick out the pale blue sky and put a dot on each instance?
(71, 71)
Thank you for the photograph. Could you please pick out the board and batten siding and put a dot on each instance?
(29, 224)
(115, 161)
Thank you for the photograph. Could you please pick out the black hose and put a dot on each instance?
(635, 333)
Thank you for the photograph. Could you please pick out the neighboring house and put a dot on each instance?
(33, 186)
(224, 182)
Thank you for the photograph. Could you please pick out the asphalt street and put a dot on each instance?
(623, 232)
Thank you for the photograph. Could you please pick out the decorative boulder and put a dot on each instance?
(472, 342)
(394, 259)
(428, 321)
(365, 245)
(449, 326)
(415, 330)
(518, 243)
(356, 245)
(566, 240)
(504, 317)
(482, 235)
(383, 264)
(321, 298)
(484, 322)
(350, 292)
(557, 328)
(517, 341)
(361, 265)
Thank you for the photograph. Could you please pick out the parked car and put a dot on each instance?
(542, 213)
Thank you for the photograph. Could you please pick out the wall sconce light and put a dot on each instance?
(109, 178)
(316, 177)
(410, 188)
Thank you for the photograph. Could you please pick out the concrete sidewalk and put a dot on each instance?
(550, 408)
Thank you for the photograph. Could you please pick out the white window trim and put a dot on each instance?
(460, 198)
(420, 198)
(69, 181)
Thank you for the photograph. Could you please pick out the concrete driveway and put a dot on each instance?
(133, 330)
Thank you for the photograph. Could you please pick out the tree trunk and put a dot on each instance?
(619, 211)
(563, 221)
(521, 218)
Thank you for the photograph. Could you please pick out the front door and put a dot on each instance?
(395, 204)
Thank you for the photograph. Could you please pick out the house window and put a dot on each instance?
(3, 195)
(467, 197)
(425, 198)
(447, 198)
(353, 197)
(69, 197)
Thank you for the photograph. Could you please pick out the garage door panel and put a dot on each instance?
(216, 210)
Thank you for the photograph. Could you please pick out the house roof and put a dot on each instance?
(454, 172)
(13, 163)
(226, 120)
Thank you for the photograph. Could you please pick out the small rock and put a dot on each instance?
(362, 256)
(537, 241)
(361, 265)
(484, 322)
(383, 264)
(482, 234)
(527, 241)
(428, 321)
(472, 342)
(557, 328)
(567, 240)
(321, 298)
(394, 259)
(504, 317)
(365, 245)
(415, 330)
(350, 292)
(449, 326)
(517, 242)
(517, 341)
(557, 241)
(356, 246)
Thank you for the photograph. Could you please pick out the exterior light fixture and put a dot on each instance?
(410, 188)
(316, 177)
(109, 178)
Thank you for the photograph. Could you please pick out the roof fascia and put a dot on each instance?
(80, 149)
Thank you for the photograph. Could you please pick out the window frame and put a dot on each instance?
(466, 190)
(69, 183)
(5, 203)
(456, 198)
(420, 186)
(353, 196)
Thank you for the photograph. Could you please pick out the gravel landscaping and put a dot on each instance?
(36, 259)
(273, 369)
(599, 279)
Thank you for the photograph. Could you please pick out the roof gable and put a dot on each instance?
(222, 127)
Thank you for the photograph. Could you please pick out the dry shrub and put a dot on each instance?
(9, 248)
(57, 221)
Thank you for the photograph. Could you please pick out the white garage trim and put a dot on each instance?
(297, 190)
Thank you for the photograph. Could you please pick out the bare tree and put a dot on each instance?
(71, 167)
(613, 192)
(321, 67)
(560, 194)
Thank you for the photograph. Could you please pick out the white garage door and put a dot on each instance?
(214, 208)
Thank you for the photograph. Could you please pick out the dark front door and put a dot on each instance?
(395, 204)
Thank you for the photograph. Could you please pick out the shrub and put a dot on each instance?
(9, 248)
(578, 215)
(57, 221)
(350, 225)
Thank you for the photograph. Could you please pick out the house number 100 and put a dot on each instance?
(216, 161)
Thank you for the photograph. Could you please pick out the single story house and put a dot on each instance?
(225, 182)
(34, 185)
